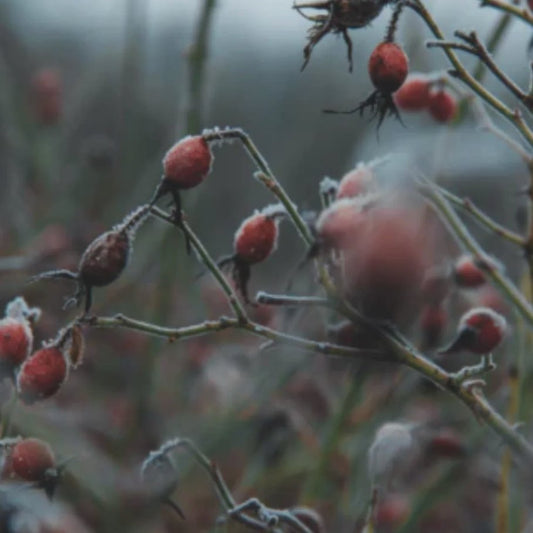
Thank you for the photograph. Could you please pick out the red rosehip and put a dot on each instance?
(388, 67)
(467, 273)
(30, 459)
(188, 162)
(392, 511)
(432, 323)
(358, 181)
(442, 105)
(446, 444)
(15, 343)
(256, 238)
(42, 374)
(480, 330)
(413, 95)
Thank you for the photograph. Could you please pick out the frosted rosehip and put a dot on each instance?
(480, 330)
(413, 95)
(30, 459)
(467, 273)
(16, 340)
(442, 105)
(42, 374)
(358, 181)
(255, 239)
(388, 67)
(185, 165)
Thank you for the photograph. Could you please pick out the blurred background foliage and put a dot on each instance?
(131, 77)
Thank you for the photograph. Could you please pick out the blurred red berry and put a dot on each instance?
(358, 181)
(47, 96)
(388, 67)
(432, 324)
(442, 105)
(42, 374)
(446, 444)
(15, 344)
(467, 273)
(480, 330)
(30, 459)
(413, 95)
(530, 4)
(392, 512)
(187, 163)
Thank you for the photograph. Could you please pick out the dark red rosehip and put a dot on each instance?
(188, 162)
(442, 105)
(104, 259)
(467, 273)
(413, 95)
(30, 459)
(42, 374)
(388, 67)
(446, 444)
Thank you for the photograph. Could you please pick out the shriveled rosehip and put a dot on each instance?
(388, 67)
(413, 95)
(255, 239)
(30, 459)
(358, 181)
(442, 105)
(480, 330)
(467, 273)
(104, 259)
(42, 374)
(16, 340)
(433, 321)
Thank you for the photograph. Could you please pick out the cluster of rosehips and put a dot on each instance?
(420, 93)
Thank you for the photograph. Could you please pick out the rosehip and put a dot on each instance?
(358, 181)
(185, 165)
(255, 239)
(16, 340)
(392, 511)
(413, 95)
(104, 259)
(446, 444)
(30, 459)
(442, 105)
(432, 323)
(42, 374)
(467, 273)
(388, 67)
(480, 330)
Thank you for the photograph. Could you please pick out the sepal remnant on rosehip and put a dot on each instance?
(255, 240)
(480, 331)
(104, 259)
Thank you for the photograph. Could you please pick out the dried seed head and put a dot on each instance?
(391, 445)
(480, 330)
(188, 162)
(42, 374)
(30, 459)
(388, 67)
(413, 95)
(442, 105)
